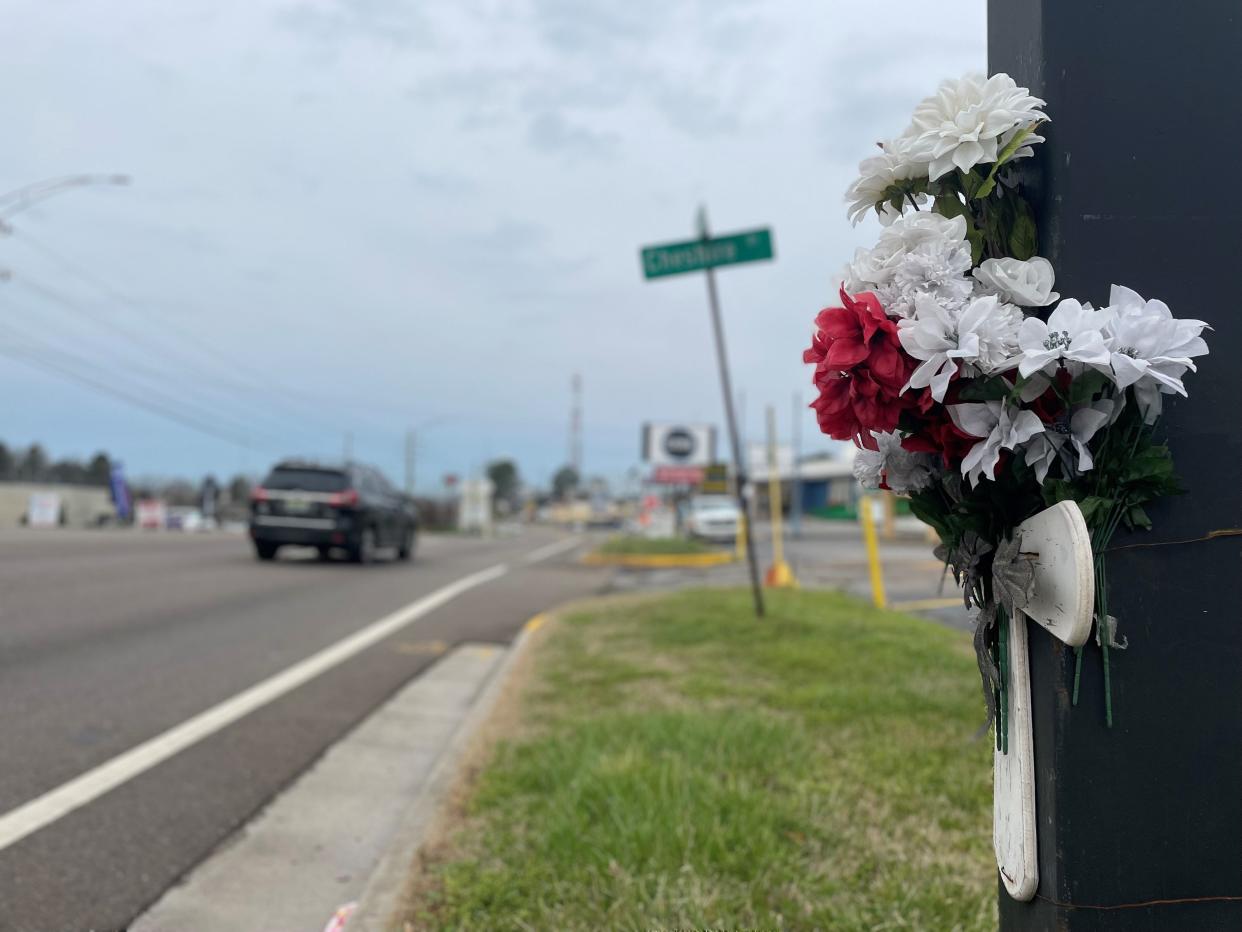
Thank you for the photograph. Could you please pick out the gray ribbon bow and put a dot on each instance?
(1013, 586)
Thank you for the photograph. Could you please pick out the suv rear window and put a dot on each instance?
(307, 480)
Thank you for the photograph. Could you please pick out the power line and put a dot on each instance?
(147, 404)
(136, 338)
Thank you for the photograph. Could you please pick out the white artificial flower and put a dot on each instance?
(982, 334)
(1067, 439)
(920, 253)
(1001, 426)
(893, 467)
(1074, 332)
(1028, 283)
(877, 174)
(1149, 348)
(967, 122)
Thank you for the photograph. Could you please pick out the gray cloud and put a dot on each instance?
(392, 22)
(552, 131)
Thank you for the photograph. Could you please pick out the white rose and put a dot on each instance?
(1026, 283)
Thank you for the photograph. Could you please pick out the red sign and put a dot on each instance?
(677, 475)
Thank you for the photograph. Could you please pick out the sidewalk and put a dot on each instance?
(313, 850)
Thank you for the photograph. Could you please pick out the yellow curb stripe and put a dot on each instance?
(535, 623)
(657, 560)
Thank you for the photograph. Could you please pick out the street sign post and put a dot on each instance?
(704, 255)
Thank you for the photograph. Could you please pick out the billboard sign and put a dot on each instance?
(679, 444)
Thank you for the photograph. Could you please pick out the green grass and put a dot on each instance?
(680, 764)
(628, 544)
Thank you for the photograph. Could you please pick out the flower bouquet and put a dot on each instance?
(966, 381)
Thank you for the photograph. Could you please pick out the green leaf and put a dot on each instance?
(1095, 507)
(1086, 386)
(994, 389)
(970, 183)
(1023, 238)
(1136, 517)
(1056, 490)
(948, 205)
(1002, 157)
(975, 237)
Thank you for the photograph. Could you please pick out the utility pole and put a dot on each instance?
(349, 446)
(575, 426)
(409, 462)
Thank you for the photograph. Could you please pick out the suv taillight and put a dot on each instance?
(346, 499)
(258, 494)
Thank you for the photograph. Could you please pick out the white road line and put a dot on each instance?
(552, 549)
(52, 805)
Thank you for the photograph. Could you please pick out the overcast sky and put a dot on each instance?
(368, 215)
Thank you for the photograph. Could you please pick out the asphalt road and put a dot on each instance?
(108, 639)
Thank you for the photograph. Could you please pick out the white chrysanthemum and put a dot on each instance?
(983, 335)
(1002, 428)
(1073, 333)
(877, 174)
(894, 467)
(1014, 281)
(967, 122)
(918, 254)
(1149, 348)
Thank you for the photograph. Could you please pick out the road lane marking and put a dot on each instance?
(52, 805)
(535, 623)
(552, 549)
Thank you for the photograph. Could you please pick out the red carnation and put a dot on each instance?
(860, 369)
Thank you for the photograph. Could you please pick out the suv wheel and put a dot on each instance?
(364, 552)
(265, 550)
(406, 549)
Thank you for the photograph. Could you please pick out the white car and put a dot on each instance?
(713, 517)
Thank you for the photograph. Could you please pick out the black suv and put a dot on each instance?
(352, 507)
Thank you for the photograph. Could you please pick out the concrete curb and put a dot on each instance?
(382, 895)
(653, 561)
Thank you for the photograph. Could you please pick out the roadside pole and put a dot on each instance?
(866, 517)
(1138, 823)
(726, 387)
(704, 254)
(795, 502)
(779, 575)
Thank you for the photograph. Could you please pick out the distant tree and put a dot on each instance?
(67, 472)
(504, 476)
(99, 470)
(564, 482)
(180, 492)
(6, 463)
(33, 464)
(239, 489)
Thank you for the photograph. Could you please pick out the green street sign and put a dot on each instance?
(699, 254)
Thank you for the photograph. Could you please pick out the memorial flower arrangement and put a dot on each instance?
(967, 382)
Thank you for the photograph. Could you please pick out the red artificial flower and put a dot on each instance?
(939, 435)
(860, 369)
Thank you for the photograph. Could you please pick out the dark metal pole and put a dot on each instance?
(1139, 824)
(727, 388)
